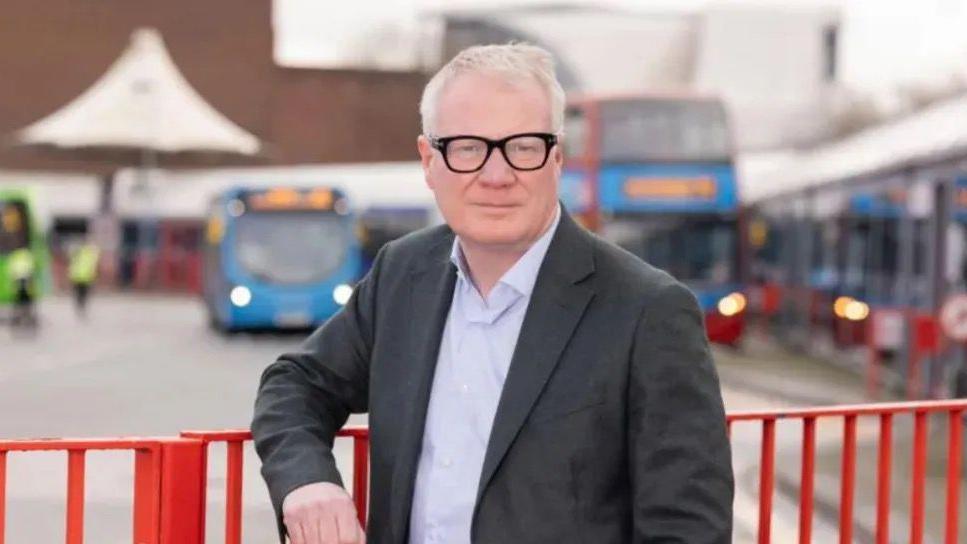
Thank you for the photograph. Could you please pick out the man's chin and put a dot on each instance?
(495, 213)
(490, 238)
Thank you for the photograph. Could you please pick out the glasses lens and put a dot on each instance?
(466, 153)
(526, 152)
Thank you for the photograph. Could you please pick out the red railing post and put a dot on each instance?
(203, 477)
(233, 493)
(147, 495)
(806, 480)
(3, 495)
(954, 446)
(182, 462)
(766, 476)
(847, 480)
(74, 532)
(919, 471)
(883, 474)
(361, 475)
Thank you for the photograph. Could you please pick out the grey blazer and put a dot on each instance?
(610, 427)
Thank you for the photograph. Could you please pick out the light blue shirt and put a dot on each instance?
(475, 351)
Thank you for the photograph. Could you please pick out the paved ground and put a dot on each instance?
(761, 378)
(148, 366)
(135, 367)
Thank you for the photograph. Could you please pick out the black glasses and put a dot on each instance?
(464, 154)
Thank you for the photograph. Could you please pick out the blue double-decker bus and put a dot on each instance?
(656, 175)
(278, 257)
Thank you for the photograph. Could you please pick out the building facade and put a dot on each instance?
(52, 51)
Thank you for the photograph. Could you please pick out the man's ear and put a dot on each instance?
(426, 157)
(557, 159)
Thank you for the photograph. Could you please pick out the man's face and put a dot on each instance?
(497, 206)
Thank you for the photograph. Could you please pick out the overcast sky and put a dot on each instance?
(884, 42)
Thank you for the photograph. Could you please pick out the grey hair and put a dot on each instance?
(512, 61)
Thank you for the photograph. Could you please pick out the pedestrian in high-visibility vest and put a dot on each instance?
(20, 267)
(82, 272)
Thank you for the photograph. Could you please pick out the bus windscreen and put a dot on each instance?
(290, 247)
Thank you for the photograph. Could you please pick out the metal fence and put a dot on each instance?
(171, 475)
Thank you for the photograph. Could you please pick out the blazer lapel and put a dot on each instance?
(555, 308)
(431, 293)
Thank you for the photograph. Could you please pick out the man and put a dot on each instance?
(526, 382)
(82, 271)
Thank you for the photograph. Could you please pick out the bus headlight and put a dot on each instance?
(856, 311)
(732, 304)
(240, 296)
(341, 294)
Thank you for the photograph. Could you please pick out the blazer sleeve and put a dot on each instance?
(306, 396)
(681, 468)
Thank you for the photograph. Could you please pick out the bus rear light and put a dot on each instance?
(732, 304)
(851, 309)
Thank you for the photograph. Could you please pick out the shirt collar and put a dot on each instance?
(523, 275)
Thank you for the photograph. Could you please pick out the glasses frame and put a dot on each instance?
(440, 144)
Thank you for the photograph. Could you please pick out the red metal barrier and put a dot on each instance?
(233, 477)
(849, 414)
(171, 474)
(165, 497)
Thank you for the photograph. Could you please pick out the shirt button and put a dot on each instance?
(447, 462)
(465, 388)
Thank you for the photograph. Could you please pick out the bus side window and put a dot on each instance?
(575, 133)
(956, 272)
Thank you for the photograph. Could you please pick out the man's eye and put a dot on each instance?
(467, 149)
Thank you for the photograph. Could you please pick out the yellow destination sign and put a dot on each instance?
(677, 188)
(292, 199)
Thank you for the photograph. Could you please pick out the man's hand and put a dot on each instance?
(321, 513)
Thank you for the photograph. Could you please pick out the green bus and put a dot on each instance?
(20, 227)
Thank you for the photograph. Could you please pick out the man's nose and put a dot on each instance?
(496, 170)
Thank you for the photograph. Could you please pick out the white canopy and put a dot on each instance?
(935, 133)
(141, 102)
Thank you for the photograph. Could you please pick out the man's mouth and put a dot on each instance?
(495, 205)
